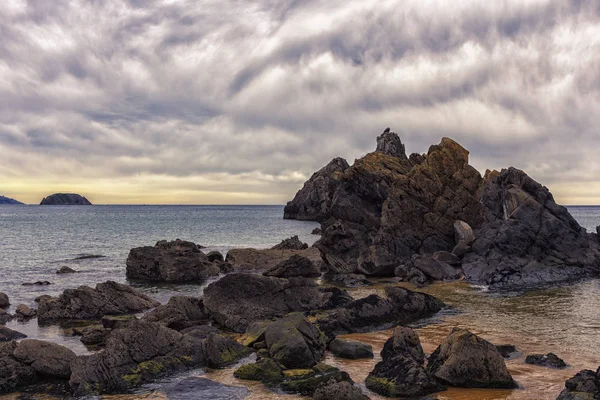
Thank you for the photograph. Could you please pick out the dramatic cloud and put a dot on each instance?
(235, 101)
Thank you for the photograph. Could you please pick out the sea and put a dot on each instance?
(35, 241)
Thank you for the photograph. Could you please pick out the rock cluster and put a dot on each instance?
(433, 216)
(585, 385)
(176, 261)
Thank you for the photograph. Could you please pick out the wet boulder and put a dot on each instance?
(7, 334)
(306, 381)
(176, 261)
(265, 370)
(400, 306)
(65, 270)
(295, 266)
(343, 390)
(466, 360)
(585, 385)
(179, 313)
(294, 342)
(292, 243)
(351, 349)
(237, 300)
(401, 372)
(4, 301)
(14, 375)
(549, 360)
(5, 317)
(24, 312)
(215, 256)
(108, 298)
(507, 350)
(220, 351)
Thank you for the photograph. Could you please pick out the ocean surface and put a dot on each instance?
(37, 240)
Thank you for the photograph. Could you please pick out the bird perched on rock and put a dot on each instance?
(387, 130)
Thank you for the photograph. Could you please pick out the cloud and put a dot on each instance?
(234, 101)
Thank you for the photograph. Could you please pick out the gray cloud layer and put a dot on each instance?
(242, 100)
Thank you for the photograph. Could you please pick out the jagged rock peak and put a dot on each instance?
(389, 143)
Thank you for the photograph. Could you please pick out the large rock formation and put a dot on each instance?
(65, 199)
(176, 261)
(237, 300)
(8, 200)
(386, 209)
(585, 385)
(85, 303)
(313, 201)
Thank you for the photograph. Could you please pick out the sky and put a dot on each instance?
(239, 101)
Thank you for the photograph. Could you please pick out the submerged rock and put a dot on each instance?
(5, 317)
(466, 360)
(313, 201)
(549, 360)
(585, 385)
(507, 350)
(292, 243)
(65, 199)
(201, 388)
(65, 270)
(401, 372)
(237, 300)
(176, 261)
(295, 266)
(86, 303)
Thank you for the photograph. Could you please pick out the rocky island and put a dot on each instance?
(8, 200)
(65, 199)
(432, 216)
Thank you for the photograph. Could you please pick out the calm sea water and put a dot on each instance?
(35, 241)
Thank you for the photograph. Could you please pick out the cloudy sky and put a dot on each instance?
(238, 101)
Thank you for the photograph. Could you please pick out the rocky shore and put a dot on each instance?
(273, 315)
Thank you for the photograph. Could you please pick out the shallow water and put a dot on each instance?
(38, 240)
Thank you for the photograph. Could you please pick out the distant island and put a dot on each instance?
(8, 200)
(65, 199)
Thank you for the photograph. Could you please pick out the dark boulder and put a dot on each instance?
(313, 201)
(295, 266)
(220, 351)
(351, 349)
(585, 385)
(549, 360)
(507, 350)
(95, 336)
(179, 313)
(36, 283)
(7, 334)
(466, 360)
(176, 261)
(14, 375)
(45, 358)
(65, 199)
(107, 298)
(401, 372)
(306, 382)
(215, 256)
(237, 300)
(294, 342)
(343, 390)
(4, 301)
(292, 243)
(401, 306)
